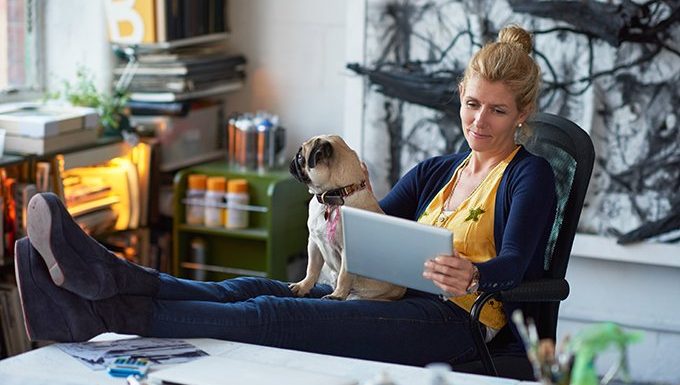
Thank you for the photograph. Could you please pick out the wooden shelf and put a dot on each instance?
(210, 38)
(8, 160)
(250, 233)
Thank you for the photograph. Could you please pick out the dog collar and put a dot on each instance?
(337, 197)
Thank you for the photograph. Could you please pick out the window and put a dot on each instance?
(20, 48)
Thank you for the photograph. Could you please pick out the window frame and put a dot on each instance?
(35, 68)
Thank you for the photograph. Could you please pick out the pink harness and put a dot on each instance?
(332, 215)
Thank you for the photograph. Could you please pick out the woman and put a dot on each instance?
(498, 199)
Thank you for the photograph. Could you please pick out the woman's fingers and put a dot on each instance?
(447, 284)
(450, 273)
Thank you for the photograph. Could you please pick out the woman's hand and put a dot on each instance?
(451, 273)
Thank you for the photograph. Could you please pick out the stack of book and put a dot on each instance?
(160, 21)
(13, 339)
(181, 74)
(90, 201)
(43, 129)
(182, 19)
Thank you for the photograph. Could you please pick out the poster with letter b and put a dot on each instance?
(131, 21)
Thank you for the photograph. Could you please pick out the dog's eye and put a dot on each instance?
(300, 158)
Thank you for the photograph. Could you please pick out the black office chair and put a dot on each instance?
(570, 152)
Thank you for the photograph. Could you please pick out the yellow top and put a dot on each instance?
(237, 186)
(217, 183)
(472, 226)
(197, 181)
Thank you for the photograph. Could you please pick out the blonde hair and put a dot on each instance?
(508, 61)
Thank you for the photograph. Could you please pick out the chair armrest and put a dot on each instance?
(543, 290)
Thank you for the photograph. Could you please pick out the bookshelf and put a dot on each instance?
(9, 160)
(124, 191)
(15, 171)
(180, 43)
(177, 82)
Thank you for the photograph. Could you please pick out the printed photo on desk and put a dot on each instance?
(97, 355)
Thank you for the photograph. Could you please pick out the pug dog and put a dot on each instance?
(335, 175)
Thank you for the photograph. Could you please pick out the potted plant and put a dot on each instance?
(110, 106)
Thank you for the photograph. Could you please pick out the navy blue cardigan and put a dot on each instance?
(524, 214)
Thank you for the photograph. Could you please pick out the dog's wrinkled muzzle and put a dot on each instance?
(297, 168)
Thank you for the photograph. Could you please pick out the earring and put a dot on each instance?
(519, 125)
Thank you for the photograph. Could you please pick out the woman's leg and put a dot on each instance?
(231, 290)
(416, 330)
(81, 265)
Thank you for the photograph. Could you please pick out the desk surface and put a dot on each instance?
(50, 365)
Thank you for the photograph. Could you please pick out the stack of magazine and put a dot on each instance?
(177, 74)
(43, 129)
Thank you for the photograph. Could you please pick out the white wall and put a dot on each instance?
(296, 59)
(75, 35)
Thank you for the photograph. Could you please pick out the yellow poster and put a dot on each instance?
(131, 21)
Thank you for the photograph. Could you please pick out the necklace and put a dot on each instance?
(474, 213)
(444, 215)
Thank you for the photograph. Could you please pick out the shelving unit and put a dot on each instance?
(277, 231)
(18, 168)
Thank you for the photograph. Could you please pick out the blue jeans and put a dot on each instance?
(419, 329)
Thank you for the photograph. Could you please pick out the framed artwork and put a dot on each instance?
(611, 67)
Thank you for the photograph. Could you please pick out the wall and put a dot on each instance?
(296, 57)
(75, 35)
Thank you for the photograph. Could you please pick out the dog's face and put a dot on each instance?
(326, 162)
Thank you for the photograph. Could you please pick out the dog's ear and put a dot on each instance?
(320, 151)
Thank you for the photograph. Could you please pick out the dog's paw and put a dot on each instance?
(298, 289)
(333, 297)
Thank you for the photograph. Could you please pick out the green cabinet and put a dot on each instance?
(277, 227)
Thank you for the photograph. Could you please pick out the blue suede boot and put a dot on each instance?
(76, 261)
(54, 314)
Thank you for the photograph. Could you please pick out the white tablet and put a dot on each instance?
(392, 249)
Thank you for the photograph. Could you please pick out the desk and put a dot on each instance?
(50, 365)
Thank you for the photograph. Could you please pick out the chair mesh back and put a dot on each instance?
(570, 152)
(564, 168)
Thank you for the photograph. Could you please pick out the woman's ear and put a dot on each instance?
(461, 90)
(522, 118)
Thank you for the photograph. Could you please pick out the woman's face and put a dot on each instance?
(489, 115)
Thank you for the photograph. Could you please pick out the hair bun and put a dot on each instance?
(514, 34)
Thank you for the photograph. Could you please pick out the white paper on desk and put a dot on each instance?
(97, 355)
(222, 370)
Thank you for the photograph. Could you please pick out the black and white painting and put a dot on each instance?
(613, 67)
